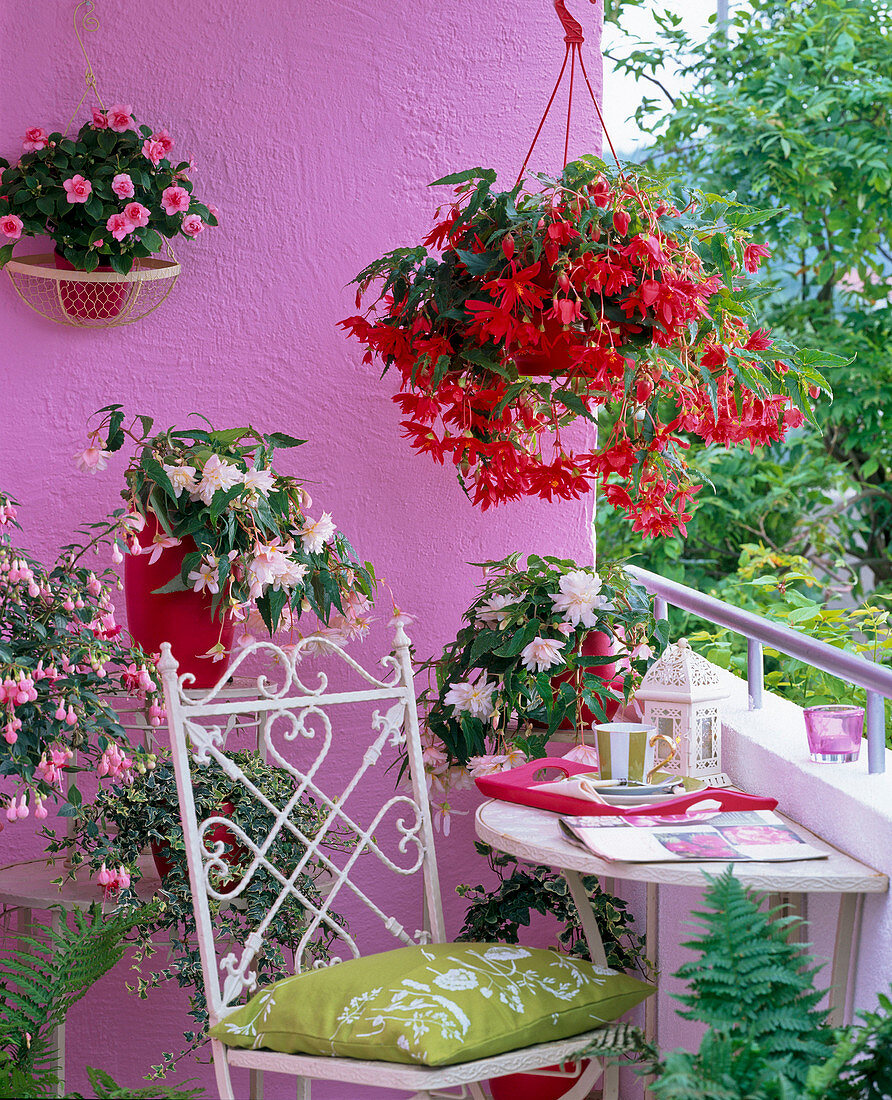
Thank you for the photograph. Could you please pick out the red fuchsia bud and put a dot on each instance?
(508, 247)
(813, 392)
(564, 281)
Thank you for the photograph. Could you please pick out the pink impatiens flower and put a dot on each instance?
(192, 225)
(164, 139)
(11, 226)
(120, 118)
(136, 214)
(122, 185)
(100, 122)
(175, 200)
(34, 139)
(119, 226)
(77, 188)
(153, 151)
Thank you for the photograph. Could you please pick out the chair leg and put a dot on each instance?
(303, 1088)
(221, 1071)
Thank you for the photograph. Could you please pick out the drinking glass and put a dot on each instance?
(834, 732)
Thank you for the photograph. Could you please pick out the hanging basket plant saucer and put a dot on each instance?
(93, 299)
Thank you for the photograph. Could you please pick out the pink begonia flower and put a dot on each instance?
(164, 139)
(542, 654)
(153, 151)
(206, 576)
(578, 597)
(497, 611)
(192, 225)
(11, 226)
(132, 522)
(92, 459)
(475, 698)
(136, 214)
(77, 188)
(34, 139)
(100, 122)
(217, 474)
(120, 118)
(583, 754)
(97, 244)
(214, 211)
(119, 226)
(175, 200)
(160, 543)
(488, 764)
(181, 477)
(122, 185)
(315, 533)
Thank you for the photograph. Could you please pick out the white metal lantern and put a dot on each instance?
(680, 696)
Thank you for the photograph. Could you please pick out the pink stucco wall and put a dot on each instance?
(315, 129)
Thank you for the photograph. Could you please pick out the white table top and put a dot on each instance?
(534, 835)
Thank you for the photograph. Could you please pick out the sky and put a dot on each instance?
(622, 94)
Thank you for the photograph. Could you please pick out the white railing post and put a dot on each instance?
(661, 608)
(876, 733)
(755, 672)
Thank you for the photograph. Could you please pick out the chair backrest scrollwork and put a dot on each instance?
(297, 728)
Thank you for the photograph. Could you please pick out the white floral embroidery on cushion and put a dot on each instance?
(504, 954)
(456, 978)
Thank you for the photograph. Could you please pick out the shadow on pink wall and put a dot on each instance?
(315, 129)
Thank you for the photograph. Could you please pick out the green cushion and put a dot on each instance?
(438, 1004)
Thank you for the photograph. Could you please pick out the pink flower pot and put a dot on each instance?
(595, 644)
(91, 301)
(232, 857)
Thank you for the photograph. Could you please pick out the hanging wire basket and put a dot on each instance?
(93, 299)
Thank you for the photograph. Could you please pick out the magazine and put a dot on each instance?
(753, 835)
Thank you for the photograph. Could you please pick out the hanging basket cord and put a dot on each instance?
(573, 39)
(86, 21)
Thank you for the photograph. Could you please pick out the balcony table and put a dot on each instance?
(534, 835)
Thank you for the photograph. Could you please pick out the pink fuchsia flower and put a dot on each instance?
(100, 122)
(472, 698)
(164, 139)
(136, 214)
(34, 139)
(175, 200)
(541, 654)
(122, 185)
(11, 226)
(315, 533)
(192, 225)
(578, 597)
(77, 188)
(120, 118)
(583, 754)
(119, 226)
(92, 459)
(153, 151)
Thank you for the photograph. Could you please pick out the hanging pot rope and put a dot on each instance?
(88, 23)
(573, 39)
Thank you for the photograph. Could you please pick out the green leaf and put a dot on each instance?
(468, 176)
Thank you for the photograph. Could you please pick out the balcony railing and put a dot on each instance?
(758, 631)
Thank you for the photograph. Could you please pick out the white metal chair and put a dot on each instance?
(291, 715)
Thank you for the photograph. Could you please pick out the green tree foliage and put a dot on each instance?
(790, 105)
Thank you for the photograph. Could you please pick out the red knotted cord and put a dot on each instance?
(573, 38)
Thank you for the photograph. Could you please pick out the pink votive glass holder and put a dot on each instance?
(834, 732)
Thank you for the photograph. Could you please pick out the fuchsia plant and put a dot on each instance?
(63, 660)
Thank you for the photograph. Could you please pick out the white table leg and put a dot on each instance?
(586, 917)
(652, 954)
(845, 951)
(255, 1084)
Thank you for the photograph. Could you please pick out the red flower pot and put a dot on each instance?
(595, 644)
(182, 618)
(232, 857)
(552, 356)
(91, 301)
(531, 1086)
